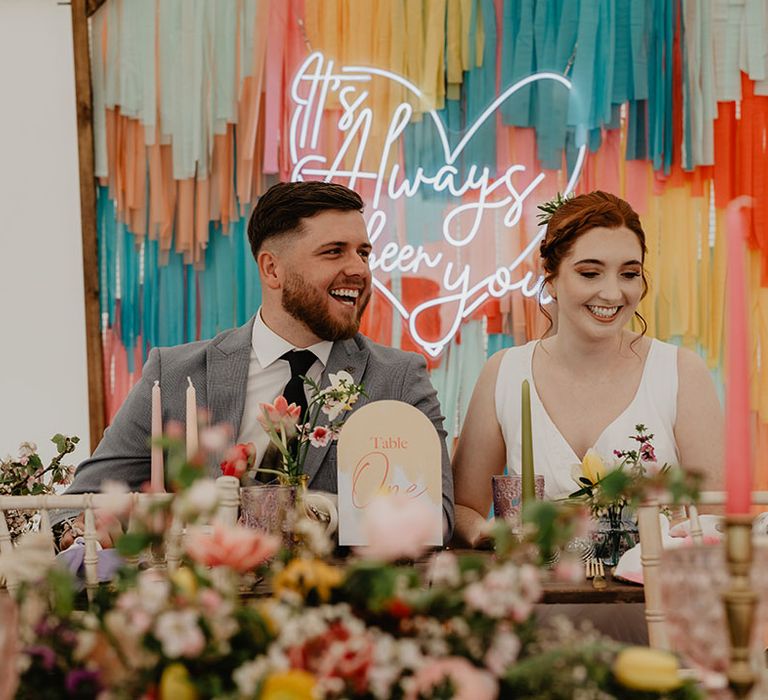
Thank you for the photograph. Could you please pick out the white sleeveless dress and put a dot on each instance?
(654, 405)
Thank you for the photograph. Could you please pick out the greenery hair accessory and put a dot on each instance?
(550, 207)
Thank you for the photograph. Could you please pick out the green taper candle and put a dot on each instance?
(529, 489)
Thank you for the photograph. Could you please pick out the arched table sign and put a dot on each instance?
(386, 448)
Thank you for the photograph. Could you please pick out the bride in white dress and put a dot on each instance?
(592, 380)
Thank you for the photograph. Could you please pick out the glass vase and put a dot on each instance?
(615, 532)
(270, 508)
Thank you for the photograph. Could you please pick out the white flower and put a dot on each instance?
(314, 536)
(339, 396)
(30, 560)
(444, 570)
(26, 450)
(179, 634)
(503, 652)
(115, 498)
(341, 380)
(215, 438)
(153, 590)
(248, 676)
(333, 409)
(504, 592)
(320, 436)
(200, 499)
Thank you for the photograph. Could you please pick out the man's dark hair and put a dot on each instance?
(282, 207)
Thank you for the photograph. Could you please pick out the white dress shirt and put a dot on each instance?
(267, 377)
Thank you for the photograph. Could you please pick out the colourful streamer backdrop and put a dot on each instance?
(193, 110)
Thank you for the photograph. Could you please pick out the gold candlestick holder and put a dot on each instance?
(740, 602)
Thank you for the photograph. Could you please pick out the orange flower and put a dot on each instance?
(238, 548)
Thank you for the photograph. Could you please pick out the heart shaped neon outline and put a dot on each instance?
(365, 73)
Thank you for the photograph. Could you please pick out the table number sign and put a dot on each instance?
(385, 448)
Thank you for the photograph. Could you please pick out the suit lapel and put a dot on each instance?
(346, 355)
(227, 376)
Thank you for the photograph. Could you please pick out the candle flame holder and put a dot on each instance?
(740, 602)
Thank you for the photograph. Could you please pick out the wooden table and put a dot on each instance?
(583, 592)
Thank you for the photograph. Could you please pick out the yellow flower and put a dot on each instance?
(303, 575)
(175, 684)
(185, 580)
(592, 466)
(288, 685)
(265, 608)
(650, 670)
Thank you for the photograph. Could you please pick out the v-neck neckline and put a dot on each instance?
(625, 410)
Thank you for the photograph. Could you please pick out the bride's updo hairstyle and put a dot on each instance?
(572, 219)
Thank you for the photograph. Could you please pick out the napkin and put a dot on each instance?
(630, 567)
(74, 559)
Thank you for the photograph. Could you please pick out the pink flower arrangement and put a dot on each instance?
(238, 548)
(468, 681)
(239, 460)
(280, 421)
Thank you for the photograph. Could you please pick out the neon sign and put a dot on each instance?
(315, 80)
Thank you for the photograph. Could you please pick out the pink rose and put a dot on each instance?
(397, 527)
(239, 459)
(238, 548)
(469, 682)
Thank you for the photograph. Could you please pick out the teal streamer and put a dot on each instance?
(150, 297)
(171, 301)
(621, 90)
(688, 163)
(660, 85)
(105, 231)
(480, 91)
(129, 307)
(190, 289)
(518, 60)
(499, 341)
(555, 33)
(637, 130)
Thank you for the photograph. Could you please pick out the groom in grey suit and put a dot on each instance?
(311, 245)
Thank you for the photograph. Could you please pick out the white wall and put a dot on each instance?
(43, 375)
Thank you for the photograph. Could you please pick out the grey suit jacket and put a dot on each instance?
(219, 371)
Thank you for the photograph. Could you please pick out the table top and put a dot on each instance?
(583, 592)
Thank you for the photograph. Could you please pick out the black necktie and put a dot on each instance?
(300, 361)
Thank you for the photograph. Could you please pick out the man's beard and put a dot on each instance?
(310, 306)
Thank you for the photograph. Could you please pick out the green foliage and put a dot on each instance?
(131, 544)
(565, 672)
(550, 207)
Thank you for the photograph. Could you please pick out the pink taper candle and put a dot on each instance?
(191, 421)
(738, 463)
(157, 475)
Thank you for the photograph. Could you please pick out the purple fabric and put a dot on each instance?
(73, 559)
